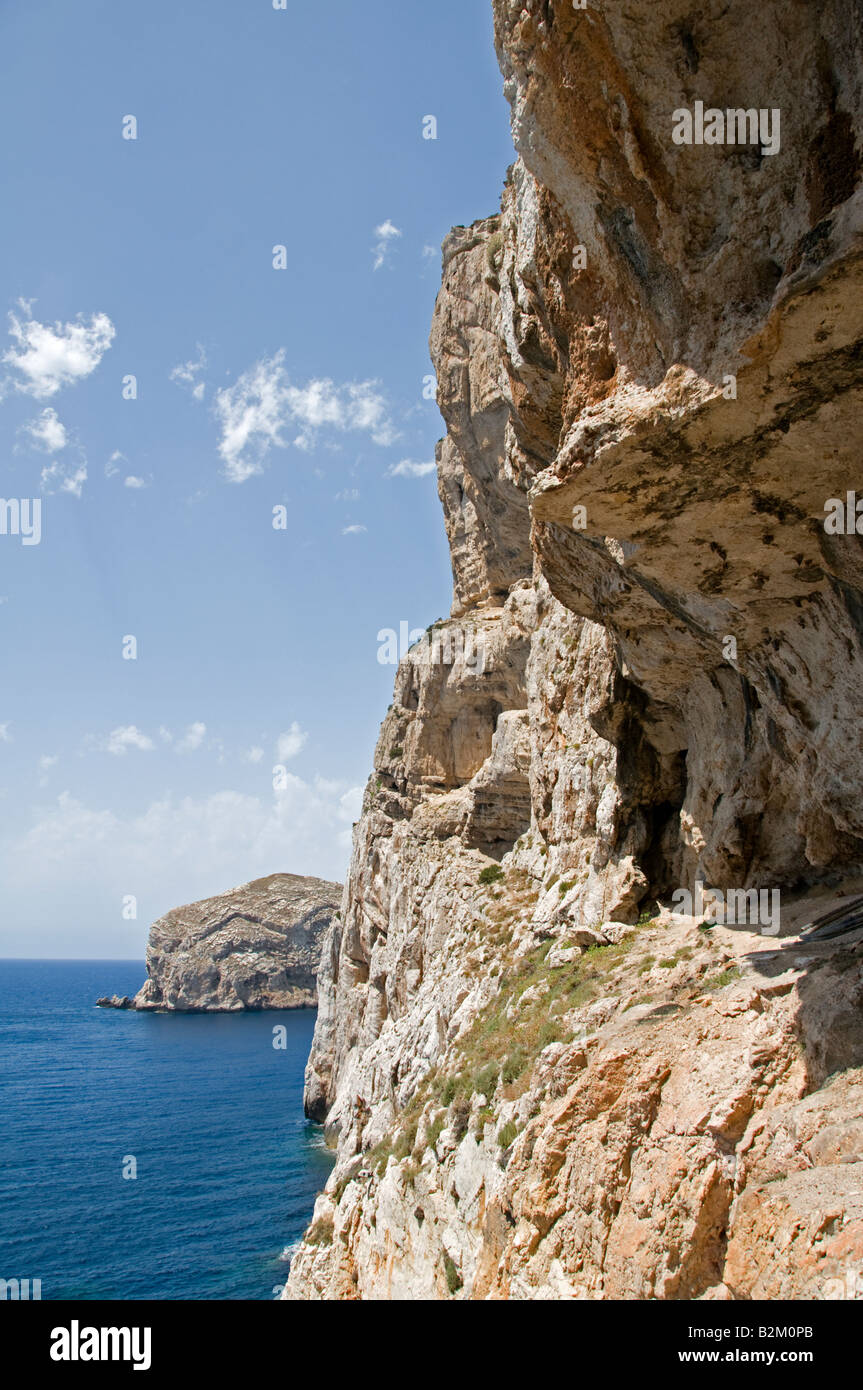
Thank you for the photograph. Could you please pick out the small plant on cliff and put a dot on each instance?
(453, 1279)
(396, 751)
(436, 1128)
(493, 249)
(491, 874)
(321, 1232)
(724, 978)
(507, 1135)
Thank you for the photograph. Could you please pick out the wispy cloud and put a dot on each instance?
(187, 374)
(289, 744)
(5, 736)
(46, 358)
(120, 740)
(353, 530)
(409, 469)
(256, 411)
(47, 433)
(132, 480)
(386, 234)
(193, 738)
(64, 477)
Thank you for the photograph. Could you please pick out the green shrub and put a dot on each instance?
(723, 979)
(460, 1117)
(491, 874)
(485, 1081)
(321, 1232)
(450, 1087)
(507, 1134)
(453, 1278)
(436, 1128)
(513, 1066)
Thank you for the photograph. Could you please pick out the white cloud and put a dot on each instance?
(47, 433)
(353, 530)
(5, 736)
(172, 852)
(408, 469)
(252, 416)
(134, 482)
(256, 410)
(113, 464)
(120, 740)
(429, 251)
(350, 494)
(187, 373)
(193, 738)
(62, 477)
(254, 755)
(289, 744)
(47, 358)
(386, 233)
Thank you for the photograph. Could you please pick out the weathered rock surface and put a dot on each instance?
(529, 1099)
(684, 1142)
(256, 947)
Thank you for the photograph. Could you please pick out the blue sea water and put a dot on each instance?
(227, 1166)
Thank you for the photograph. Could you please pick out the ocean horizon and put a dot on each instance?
(201, 1108)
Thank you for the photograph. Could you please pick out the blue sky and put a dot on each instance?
(256, 388)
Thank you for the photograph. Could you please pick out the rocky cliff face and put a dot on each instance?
(256, 947)
(649, 364)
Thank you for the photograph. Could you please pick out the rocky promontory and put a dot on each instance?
(255, 947)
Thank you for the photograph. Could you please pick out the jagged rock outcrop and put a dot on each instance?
(256, 947)
(650, 369)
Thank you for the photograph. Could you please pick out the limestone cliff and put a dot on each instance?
(255, 947)
(540, 1082)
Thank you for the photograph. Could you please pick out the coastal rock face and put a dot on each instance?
(540, 1084)
(256, 947)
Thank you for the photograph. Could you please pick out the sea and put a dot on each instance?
(161, 1156)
